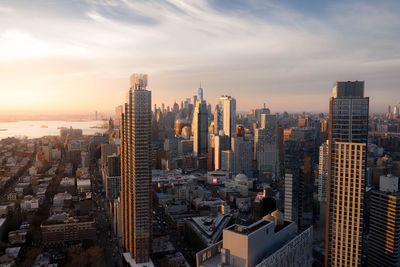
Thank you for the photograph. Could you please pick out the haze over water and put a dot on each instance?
(37, 129)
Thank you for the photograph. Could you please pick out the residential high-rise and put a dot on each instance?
(136, 162)
(200, 128)
(322, 181)
(228, 105)
(384, 224)
(323, 171)
(348, 137)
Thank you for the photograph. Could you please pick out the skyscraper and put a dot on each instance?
(323, 171)
(200, 93)
(200, 128)
(242, 156)
(266, 146)
(218, 120)
(228, 105)
(384, 229)
(136, 160)
(221, 143)
(348, 137)
(299, 182)
(319, 229)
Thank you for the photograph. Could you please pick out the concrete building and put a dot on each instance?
(185, 147)
(136, 162)
(83, 185)
(221, 143)
(242, 156)
(270, 241)
(266, 146)
(113, 177)
(60, 229)
(348, 138)
(384, 224)
(67, 184)
(227, 161)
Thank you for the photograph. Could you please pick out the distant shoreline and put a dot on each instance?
(66, 120)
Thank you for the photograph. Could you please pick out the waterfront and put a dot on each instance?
(37, 129)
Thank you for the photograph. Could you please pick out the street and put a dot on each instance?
(105, 235)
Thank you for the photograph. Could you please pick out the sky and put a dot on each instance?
(77, 55)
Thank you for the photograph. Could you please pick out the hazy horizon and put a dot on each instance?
(77, 56)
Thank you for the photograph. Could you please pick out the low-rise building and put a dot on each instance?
(270, 241)
(60, 230)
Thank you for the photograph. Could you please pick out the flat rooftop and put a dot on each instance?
(246, 230)
(129, 260)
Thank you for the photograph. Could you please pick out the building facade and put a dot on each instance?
(268, 242)
(348, 138)
(200, 128)
(299, 177)
(228, 105)
(384, 227)
(136, 162)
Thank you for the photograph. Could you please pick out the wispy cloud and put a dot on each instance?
(259, 51)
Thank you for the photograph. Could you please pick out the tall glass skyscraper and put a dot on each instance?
(136, 201)
(348, 138)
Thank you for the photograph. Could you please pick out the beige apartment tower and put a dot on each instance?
(347, 155)
(136, 201)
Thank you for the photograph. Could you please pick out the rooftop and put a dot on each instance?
(247, 230)
(132, 263)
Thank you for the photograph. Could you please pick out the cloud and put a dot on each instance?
(258, 51)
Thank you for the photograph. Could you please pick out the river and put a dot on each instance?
(37, 129)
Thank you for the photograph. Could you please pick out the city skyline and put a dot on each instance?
(283, 54)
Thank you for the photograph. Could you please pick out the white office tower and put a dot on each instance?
(228, 105)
